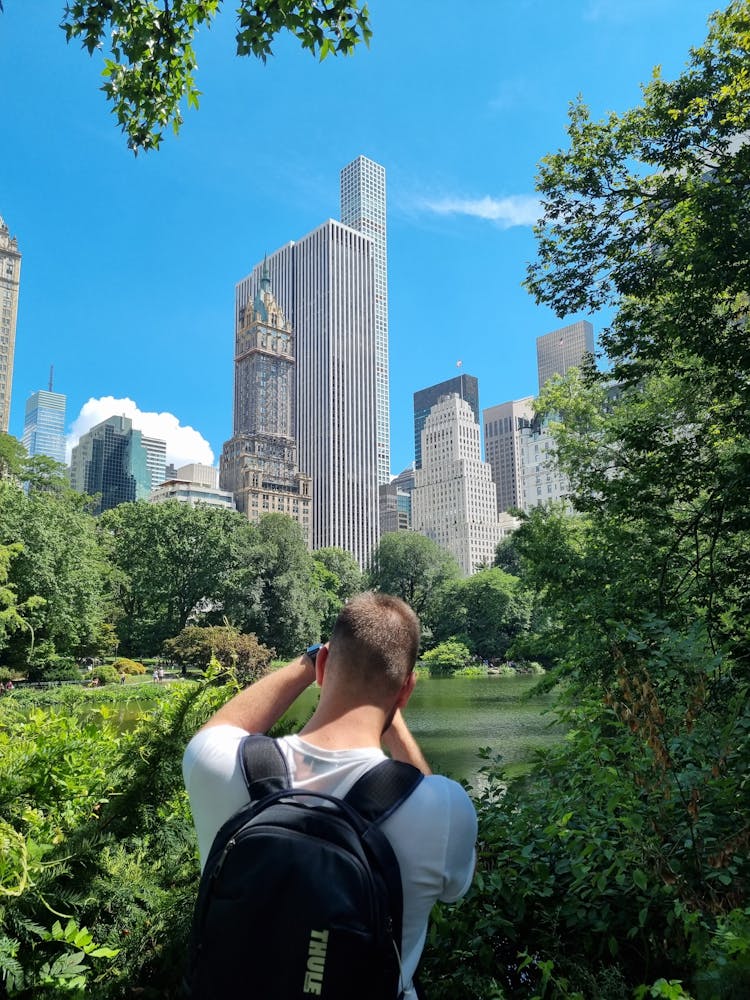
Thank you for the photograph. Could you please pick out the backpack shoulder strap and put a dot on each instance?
(382, 789)
(264, 766)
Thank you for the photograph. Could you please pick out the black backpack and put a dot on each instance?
(301, 893)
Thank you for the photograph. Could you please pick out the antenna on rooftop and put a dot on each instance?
(51, 376)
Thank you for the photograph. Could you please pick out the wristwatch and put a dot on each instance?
(312, 652)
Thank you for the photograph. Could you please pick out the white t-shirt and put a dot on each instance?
(432, 834)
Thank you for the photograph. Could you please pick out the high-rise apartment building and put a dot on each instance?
(111, 462)
(324, 284)
(562, 349)
(502, 448)
(44, 425)
(156, 460)
(10, 277)
(542, 480)
(363, 207)
(259, 462)
(454, 500)
(467, 388)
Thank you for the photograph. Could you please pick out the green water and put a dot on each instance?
(453, 717)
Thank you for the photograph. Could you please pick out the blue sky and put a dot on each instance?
(129, 264)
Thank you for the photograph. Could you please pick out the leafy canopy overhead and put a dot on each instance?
(150, 62)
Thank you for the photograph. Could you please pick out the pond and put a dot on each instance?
(452, 717)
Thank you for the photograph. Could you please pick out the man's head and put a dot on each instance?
(374, 645)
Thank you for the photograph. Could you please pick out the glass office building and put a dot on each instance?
(44, 425)
(111, 463)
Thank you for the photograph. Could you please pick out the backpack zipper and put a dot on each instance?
(220, 863)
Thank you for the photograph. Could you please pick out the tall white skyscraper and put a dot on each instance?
(363, 207)
(10, 277)
(324, 284)
(454, 500)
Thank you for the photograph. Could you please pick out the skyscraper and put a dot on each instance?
(110, 460)
(454, 500)
(44, 424)
(502, 448)
(10, 277)
(259, 462)
(541, 479)
(562, 349)
(363, 207)
(467, 388)
(324, 285)
(156, 460)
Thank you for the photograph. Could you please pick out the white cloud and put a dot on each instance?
(515, 210)
(184, 444)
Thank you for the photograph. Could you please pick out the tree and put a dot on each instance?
(338, 577)
(61, 562)
(149, 59)
(507, 557)
(12, 456)
(170, 560)
(412, 567)
(195, 646)
(487, 611)
(272, 591)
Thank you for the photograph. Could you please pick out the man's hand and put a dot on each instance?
(260, 706)
(398, 741)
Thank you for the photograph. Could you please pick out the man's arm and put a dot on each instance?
(261, 705)
(398, 741)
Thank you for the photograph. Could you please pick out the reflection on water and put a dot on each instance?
(452, 717)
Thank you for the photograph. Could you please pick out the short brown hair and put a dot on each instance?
(375, 642)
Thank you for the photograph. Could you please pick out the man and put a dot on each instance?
(366, 676)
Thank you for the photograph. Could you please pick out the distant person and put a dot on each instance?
(366, 676)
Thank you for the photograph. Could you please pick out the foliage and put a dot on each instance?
(507, 556)
(60, 563)
(149, 61)
(412, 567)
(622, 859)
(487, 611)
(338, 578)
(171, 561)
(12, 456)
(272, 591)
(106, 674)
(11, 613)
(197, 647)
(621, 853)
(98, 866)
(446, 658)
(126, 666)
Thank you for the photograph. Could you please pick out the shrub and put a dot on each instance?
(106, 674)
(444, 660)
(46, 665)
(125, 666)
(195, 646)
(5, 675)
